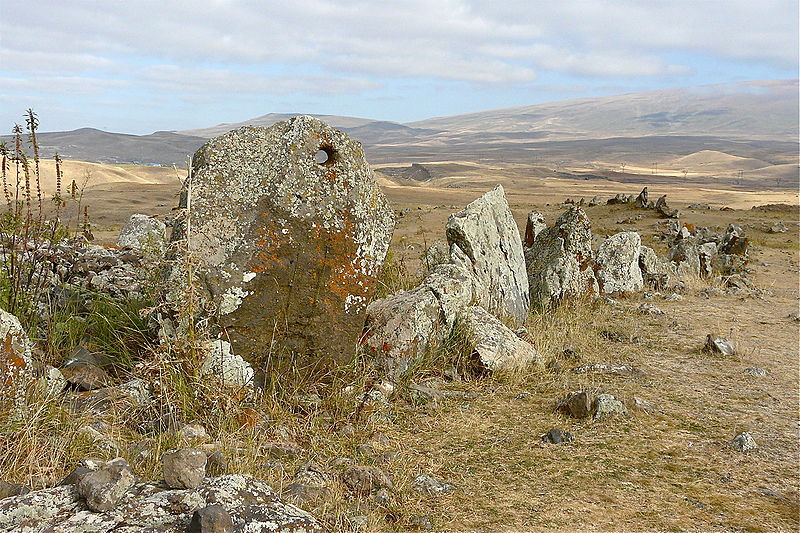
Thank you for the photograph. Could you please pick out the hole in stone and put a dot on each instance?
(326, 155)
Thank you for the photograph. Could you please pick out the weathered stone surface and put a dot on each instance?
(743, 442)
(556, 436)
(533, 227)
(559, 262)
(230, 368)
(184, 468)
(143, 233)
(663, 209)
(404, 325)
(656, 272)
(485, 240)
(495, 347)
(617, 263)
(85, 376)
(252, 505)
(606, 405)
(286, 249)
(576, 404)
(12, 489)
(366, 479)
(430, 485)
(15, 359)
(105, 487)
(719, 345)
(641, 200)
(734, 241)
(211, 519)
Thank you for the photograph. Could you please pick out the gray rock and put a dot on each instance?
(366, 479)
(533, 227)
(12, 489)
(494, 346)
(277, 234)
(404, 325)
(104, 488)
(143, 233)
(656, 272)
(560, 260)
(719, 345)
(252, 505)
(86, 377)
(556, 436)
(778, 227)
(184, 468)
(230, 368)
(421, 522)
(734, 241)
(16, 368)
(743, 442)
(576, 404)
(211, 519)
(649, 309)
(489, 247)
(438, 253)
(605, 368)
(641, 201)
(755, 371)
(617, 262)
(430, 485)
(664, 210)
(605, 405)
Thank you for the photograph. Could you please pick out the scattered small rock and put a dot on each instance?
(719, 345)
(12, 489)
(650, 309)
(184, 468)
(85, 376)
(575, 404)
(755, 371)
(605, 368)
(211, 519)
(431, 485)
(104, 488)
(556, 436)
(366, 479)
(743, 442)
(421, 522)
(606, 405)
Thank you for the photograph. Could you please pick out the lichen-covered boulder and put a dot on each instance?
(252, 505)
(656, 272)
(494, 346)
(485, 240)
(617, 264)
(230, 368)
(15, 360)
(405, 325)
(143, 233)
(286, 231)
(559, 263)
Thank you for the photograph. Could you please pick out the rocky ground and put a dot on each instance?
(626, 423)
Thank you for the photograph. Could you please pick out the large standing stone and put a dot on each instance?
(560, 260)
(485, 240)
(285, 248)
(618, 264)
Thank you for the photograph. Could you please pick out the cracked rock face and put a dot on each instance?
(252, 505)
(288, 231)
(617, 263)
(485, 240)
(495, 346)
(15, 358)
(559, 262)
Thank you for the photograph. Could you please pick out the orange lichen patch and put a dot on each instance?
(690, 227)
(11, 363)
(268, 244)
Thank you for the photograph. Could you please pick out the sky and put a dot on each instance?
(138, 66)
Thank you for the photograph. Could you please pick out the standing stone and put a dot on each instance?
(641, 200)
(287, 231)
(559, 262)
(484, 238)
(656, 273)
(143, 233)
(533, 227)
(15, 359)
(663, 209)
(617, 262)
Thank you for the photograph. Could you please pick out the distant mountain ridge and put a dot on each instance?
(751, 120)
